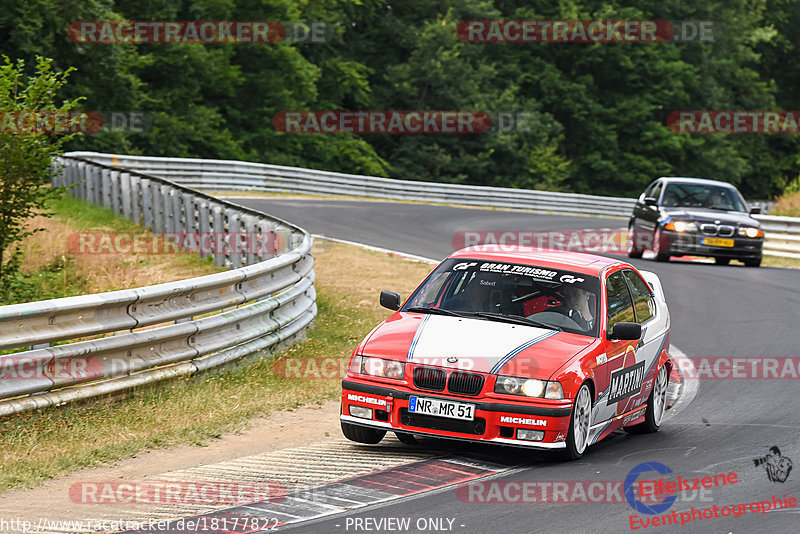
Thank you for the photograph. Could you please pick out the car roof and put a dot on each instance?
(690, 180)
(581, 262)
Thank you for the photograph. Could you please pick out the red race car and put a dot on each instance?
(517, 346)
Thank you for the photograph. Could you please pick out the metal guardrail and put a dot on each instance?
(223, 175)
(782, 233)
(264, 303)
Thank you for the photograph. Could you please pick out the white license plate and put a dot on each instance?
(441, 408)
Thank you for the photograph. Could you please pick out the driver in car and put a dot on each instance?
(577, 307)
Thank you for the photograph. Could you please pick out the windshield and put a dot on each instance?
(702, 196)
(490, 290)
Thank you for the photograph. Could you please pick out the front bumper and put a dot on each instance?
(692, 244)
(494, 422)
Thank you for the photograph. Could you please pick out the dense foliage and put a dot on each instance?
(600, 109)
(25, 156)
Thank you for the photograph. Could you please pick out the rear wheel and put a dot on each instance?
(579, 425)
(661, 246)
(656, 405)
(362, 434)
(634, 250)
(753, 263)
(722, 261)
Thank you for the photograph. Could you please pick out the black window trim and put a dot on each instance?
(630, 292)
(630, 295)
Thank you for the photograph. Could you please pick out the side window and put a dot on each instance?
(643, 302)
(620, 306)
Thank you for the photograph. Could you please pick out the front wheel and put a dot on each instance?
(661, 246)
(579, 425)
(722, 261)
(362, 434)
(634, 250)
(656, 405)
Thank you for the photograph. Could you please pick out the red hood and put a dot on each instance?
(476, 344)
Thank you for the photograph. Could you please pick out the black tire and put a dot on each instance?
(752, 263)
(656, 405)
(583, 412)
(722, 261)
(406, 438)
(658, 244)
(633, 251)
(362, 434)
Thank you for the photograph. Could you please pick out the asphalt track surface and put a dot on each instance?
(717, 311)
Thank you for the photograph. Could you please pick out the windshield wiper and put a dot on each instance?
(437, 311)
(518, 319)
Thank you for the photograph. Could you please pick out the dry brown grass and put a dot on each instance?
(104, 272)
(359, 275)
(787, 206)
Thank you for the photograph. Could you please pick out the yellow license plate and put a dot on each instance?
(717, 242)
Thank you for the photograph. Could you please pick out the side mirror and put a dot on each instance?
(755, 210)
(391, 300)
(650, 201)
(626, 331)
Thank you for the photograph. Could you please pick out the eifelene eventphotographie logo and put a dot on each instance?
(777, 467)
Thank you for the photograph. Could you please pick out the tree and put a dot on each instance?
(33, 126)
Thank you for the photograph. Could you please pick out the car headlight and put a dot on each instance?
(528, 387)
(750, 231)
(681, 226)
(365, 365)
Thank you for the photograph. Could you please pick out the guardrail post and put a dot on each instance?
(116, 204)
(204, 226)
(105, 188)
(158, 207)
(148, 216)
(136, 199)
(93, 185)
(177, 210)
(190, 222)
(218, 214)
(125, 194)
(253, 239)
(234, 238)
(81, 188)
